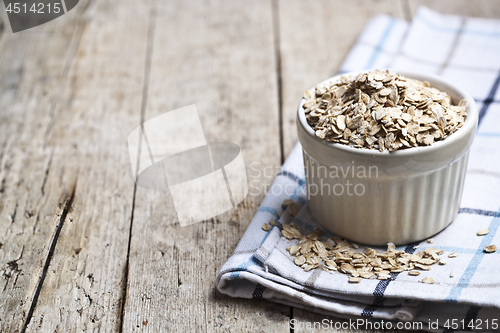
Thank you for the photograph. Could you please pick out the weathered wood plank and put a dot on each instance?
(30, 207)
(315, 37)
(477, 8)
(219, 56)
(98, 108)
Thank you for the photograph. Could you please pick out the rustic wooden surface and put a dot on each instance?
(83, 249)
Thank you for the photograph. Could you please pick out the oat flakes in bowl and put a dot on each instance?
(382, 110)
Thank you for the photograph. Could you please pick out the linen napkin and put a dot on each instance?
(467, 52)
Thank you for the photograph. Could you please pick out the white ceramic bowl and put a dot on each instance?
(401, 197)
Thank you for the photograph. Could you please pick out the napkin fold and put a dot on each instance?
(465, 51)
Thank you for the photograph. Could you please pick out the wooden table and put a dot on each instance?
(83, 249)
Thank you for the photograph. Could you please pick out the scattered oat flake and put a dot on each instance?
(490, 248)
(482, 232)
(453, 255)
(430, 240)
(353, 279)
(336, 255)
(286, 202)
(265, 227)
(272, 222)
(300, 260)
(423, 267)
(452, 274)
(293, 249)
(428, 280)
(291, 232)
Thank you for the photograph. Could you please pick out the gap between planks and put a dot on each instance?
(277, 55)
(279, 88)
(52, 245)
(145, 92)
(405, 6)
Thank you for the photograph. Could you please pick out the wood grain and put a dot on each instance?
(99, 107)
(31, 206)
(477, 8)
(220, 57)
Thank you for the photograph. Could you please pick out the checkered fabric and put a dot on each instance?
(465, 51)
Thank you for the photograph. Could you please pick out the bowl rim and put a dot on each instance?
(469, 125)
